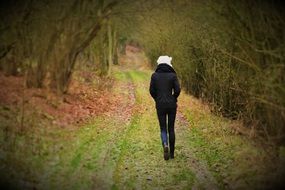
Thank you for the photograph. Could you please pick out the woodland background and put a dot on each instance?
(228, 53)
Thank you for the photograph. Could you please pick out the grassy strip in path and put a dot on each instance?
(81, 156)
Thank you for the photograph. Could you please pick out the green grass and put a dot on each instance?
(234, 160)
(117, 154)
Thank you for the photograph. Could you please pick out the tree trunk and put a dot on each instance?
(110, 47)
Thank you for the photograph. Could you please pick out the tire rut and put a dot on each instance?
(204, 178)
(122, 116)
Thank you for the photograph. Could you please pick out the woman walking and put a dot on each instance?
(165, 89)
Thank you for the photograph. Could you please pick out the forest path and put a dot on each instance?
(122, 150)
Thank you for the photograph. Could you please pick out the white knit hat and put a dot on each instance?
(164, 59)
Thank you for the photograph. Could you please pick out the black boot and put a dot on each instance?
(171, 155)
(165, 152)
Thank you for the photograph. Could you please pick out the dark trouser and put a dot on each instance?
(170, 114)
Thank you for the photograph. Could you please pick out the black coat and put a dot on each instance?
(164, 87)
